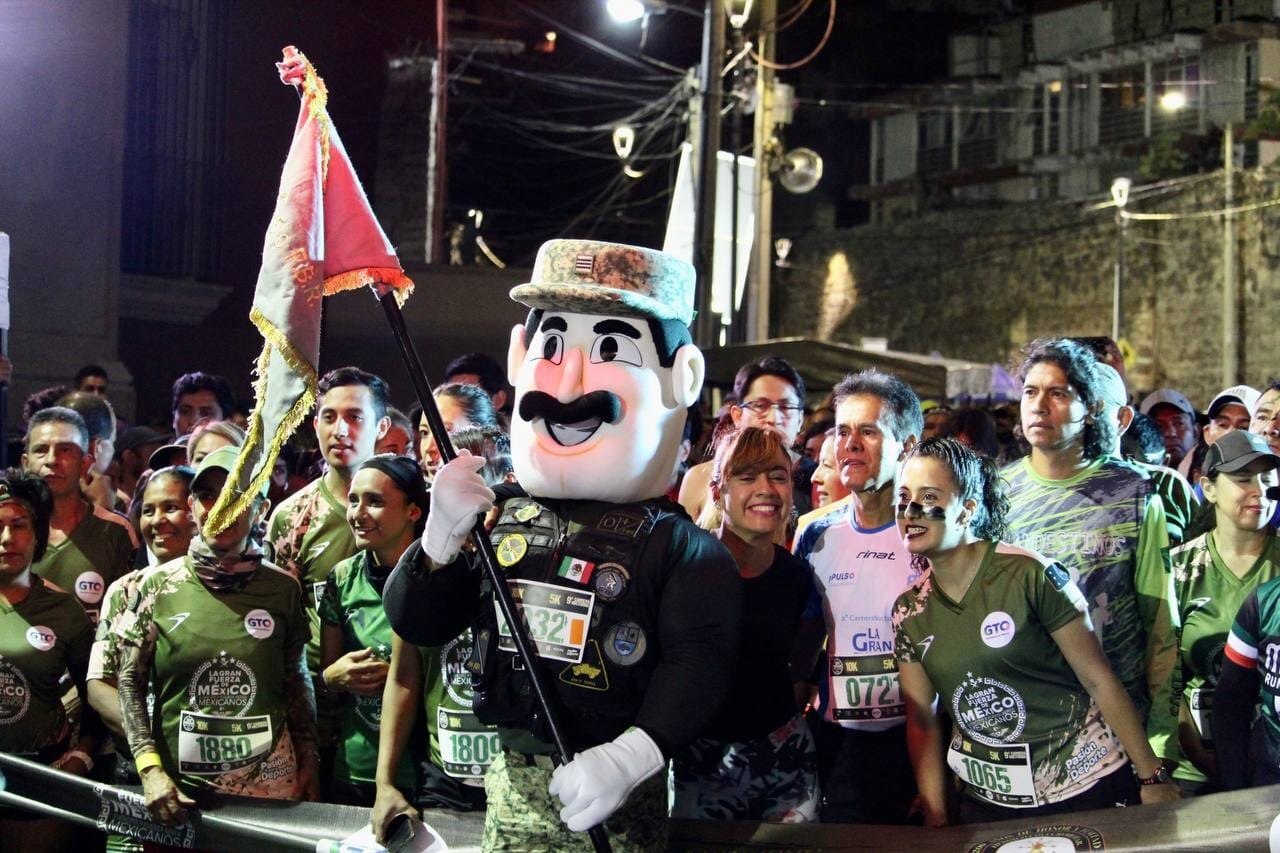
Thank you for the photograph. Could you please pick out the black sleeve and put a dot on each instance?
(1234, 701)
(699, 617)
(429, 608)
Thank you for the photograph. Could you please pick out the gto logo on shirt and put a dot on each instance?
(89, 587)
(997, 629)
(259, 624)
(41, 638)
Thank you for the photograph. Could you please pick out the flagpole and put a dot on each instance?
(498, 580)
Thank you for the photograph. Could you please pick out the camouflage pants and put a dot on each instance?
(772, 778)
(522, 816)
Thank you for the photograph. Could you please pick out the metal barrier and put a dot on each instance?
(1236, 821)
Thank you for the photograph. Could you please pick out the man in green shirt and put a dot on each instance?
(1098, 516)
(89, 547)
(309, 533)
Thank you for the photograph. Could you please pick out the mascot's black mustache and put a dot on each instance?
(604, 405)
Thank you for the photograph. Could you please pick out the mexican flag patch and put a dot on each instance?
(576, 569)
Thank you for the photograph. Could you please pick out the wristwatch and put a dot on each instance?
(1162, 775)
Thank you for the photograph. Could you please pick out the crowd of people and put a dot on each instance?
(940, 615)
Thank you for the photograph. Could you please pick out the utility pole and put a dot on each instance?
(704, 224)
(759, 295)
(436, 251)
(1230, 332)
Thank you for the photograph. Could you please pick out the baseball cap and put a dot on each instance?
(222, 459)
(139, 436)
(1243, 395)
(1112, 385)
(1235, 451)
(1168, 397)
(170, 454)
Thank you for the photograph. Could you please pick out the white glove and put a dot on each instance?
(458, 495)
(598, 780)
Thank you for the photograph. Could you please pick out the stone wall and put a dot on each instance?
(979, 283)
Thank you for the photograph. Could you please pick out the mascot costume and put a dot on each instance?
(633, 610)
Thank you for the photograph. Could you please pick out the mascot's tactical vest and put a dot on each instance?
(588, 593)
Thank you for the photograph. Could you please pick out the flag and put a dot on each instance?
(576, 569)
(323, 238)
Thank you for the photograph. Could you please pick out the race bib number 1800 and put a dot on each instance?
(210, 745)
(998, 774)
(555, 617)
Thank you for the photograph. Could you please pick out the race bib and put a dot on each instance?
(210, 745)
(1201, 702)
(998, 774)
(467, 746)
(555, 617)
(865, 688)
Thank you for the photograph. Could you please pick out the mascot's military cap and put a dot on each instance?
(590, 277)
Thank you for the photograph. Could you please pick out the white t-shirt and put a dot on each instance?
(858, 575)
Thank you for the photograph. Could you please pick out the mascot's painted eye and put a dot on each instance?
(616, 348)
(553, 348)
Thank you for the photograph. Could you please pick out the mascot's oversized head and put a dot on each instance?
(604, 370)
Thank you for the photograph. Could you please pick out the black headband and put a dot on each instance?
(404, 472)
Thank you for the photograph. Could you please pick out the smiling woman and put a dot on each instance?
(757, 760)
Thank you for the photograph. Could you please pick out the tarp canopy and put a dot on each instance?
(824, 363)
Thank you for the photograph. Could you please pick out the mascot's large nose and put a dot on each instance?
(570, 386)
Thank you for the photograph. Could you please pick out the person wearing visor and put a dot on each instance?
(990, 625)
(1213, 575)
(44, 633)
(219, 637)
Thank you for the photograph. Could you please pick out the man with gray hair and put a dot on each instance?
(860, 567)
(89, 547)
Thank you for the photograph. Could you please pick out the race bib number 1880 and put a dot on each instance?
(210, 745)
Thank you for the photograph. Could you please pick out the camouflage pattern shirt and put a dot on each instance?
(309, 535)
(1027, 733)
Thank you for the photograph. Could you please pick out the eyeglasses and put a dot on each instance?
(763, 407)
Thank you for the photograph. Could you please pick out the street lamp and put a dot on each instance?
(1120, 195)
(1172, 101)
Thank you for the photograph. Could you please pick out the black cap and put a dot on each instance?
(1235, 451)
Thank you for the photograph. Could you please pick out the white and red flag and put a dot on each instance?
(323, 238)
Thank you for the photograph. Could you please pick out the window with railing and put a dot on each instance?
(877, 165)
(933, 152)
(1177, 78)
(978, 146)
(1123, 97)
(1046, 107)
(173, 205)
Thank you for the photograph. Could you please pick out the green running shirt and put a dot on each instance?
(352, 604)
(41, 637)
(1209, 597)
(98, 551)
(218, 676)
(1028, 733)
(309, 535)
(1107, 527)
